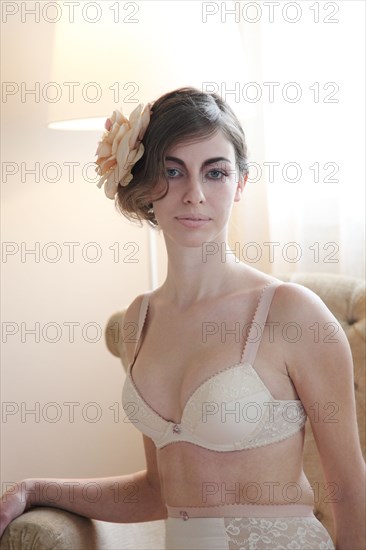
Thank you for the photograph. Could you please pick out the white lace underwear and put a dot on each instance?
(301, 532)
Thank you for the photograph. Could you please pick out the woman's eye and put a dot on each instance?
(172, 172)
(216, 174)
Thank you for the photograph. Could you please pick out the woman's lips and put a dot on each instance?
(193, 221)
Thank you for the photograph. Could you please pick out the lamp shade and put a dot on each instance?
(118, 54)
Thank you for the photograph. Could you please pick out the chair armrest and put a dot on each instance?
(46, 528)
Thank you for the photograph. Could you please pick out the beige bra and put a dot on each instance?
(231, 410)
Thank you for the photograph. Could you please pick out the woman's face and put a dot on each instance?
(203, 185)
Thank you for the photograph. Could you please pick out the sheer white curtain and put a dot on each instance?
(307, 64)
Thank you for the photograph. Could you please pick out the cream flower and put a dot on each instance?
(120, 148)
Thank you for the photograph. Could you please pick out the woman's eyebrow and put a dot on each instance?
(205, 163)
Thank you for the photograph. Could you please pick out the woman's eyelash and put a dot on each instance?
(222, 173)
(171, 170)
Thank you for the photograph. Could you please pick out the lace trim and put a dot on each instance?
(277, 534)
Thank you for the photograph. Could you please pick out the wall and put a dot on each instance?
(46, 370)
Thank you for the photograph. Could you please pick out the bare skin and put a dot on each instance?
(173, 360)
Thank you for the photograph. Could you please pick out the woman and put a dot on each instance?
(218, 390)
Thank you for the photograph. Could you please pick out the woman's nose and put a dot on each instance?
(194, 191)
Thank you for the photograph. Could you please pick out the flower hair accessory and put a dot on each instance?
(120, 148)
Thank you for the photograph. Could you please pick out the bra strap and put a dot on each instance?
(140, 323)
(258, 324)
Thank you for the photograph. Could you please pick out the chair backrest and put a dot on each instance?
(345, 298)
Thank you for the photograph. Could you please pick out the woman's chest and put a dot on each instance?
(177, 356)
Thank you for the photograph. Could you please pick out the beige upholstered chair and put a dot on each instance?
(54, 529)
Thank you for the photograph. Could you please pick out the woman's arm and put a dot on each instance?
(130, 498)
(121, 499)
(321, 369)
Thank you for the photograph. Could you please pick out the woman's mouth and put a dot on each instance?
(193, 220)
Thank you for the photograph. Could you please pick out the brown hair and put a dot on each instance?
(181, 115)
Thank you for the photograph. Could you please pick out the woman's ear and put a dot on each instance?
(240, 188)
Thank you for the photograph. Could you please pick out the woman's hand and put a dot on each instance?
(14, 502)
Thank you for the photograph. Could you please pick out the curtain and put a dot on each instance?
(303, 208)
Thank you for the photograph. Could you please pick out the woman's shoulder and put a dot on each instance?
(297, 300)
(290, 301)
(119, 325)
(304, 320)
(132, 311)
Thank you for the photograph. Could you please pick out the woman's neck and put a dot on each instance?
(199, 273)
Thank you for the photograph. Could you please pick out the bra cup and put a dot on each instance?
(232, 410)
(227, 408)
(140, 414)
